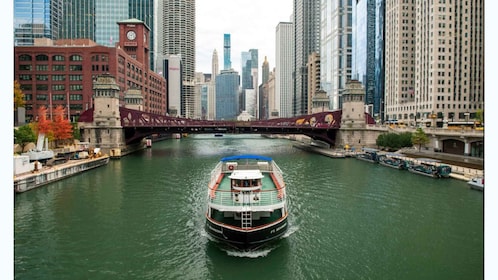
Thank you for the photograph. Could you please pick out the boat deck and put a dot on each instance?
(271, 193)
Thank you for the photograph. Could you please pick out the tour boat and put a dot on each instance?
(369, 155)
(477, 183)
(247, 203)
(393, 160)
(428, 167)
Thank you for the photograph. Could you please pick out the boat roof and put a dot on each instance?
(246, 174)
(246, 156)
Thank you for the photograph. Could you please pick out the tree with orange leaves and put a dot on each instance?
(61, 127)
(44, 125)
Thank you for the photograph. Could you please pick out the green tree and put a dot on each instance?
(24, 135)
(480, 116)
(420, 138)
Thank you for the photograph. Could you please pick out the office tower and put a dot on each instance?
(307, 40)
(211, 95)
(227, 63)
(336, 48)
(107, 14)
(245, 62)
(313, 67)
(364, 51)
(265, 71)
(434, 61)
(172, 66)
(284, 54)
(215, 65)
(176, 20)
(144, 10)
(78, 20)
(379, 60)
(36, 19)
(227, 95)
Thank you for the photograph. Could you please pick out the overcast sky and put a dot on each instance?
(251, 24)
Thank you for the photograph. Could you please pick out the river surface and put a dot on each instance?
(142, 217)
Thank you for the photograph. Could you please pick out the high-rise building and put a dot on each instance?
(265, 71)
(364, 51)
(107, 14)
(284, 54)
(227, 62)
(313, 66)
(215, 65)
(379, 60)
(144, 10)
(36, 19)
(306, 40)
(176, 20)
(172, 65)
(78, 20)
(434, 61)
(227, 95)
(336, 44)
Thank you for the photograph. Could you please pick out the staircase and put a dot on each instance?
(246, 219)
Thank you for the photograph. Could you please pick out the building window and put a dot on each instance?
(76, 77)
(42, 67)
(58, 77)
(58, 87)
(24, 67)
(75, 67)
(57, 67)
(41, 97)
(76, 87)
(41, 87)
(58, 97)
(42, 77)
(74, 97)
(75, 57)
(58, 57)
(42, 57)
(25, 77)
(25, 57)
(26, 87)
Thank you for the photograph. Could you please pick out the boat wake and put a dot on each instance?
(290, 231)
(252, 254)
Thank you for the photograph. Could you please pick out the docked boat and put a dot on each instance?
(430, 167)
(369, 155)
(395, 161)
(246, 205)
(476, 183)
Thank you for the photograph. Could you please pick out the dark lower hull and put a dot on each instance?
(246, 239)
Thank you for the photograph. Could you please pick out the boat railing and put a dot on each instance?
(256, 198)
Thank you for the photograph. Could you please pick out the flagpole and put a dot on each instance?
(68, 111)
(50, 102)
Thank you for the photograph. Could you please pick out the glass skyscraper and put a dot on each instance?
(36, 19)
(78, 20)
(227, 95)
(107, 13)
(227, 62)
(364, 49)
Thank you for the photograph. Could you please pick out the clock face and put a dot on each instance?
(131, 35)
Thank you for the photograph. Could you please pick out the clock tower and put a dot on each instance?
(134, 40)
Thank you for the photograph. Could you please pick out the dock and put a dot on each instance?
(48, 174)
(459, 172)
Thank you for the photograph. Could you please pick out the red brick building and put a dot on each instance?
(61, 72)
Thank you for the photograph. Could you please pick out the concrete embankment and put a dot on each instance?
(460, 172)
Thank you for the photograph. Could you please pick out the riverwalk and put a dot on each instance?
(461, 168)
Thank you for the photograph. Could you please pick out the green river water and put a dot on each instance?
(142, 217)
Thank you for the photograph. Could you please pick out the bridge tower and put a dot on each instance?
(105, 131)
(353, 105)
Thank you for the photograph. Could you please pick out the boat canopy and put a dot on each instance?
(239, 157)
(246, 175)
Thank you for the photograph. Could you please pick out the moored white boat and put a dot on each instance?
(476, 183)
(246, 205)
